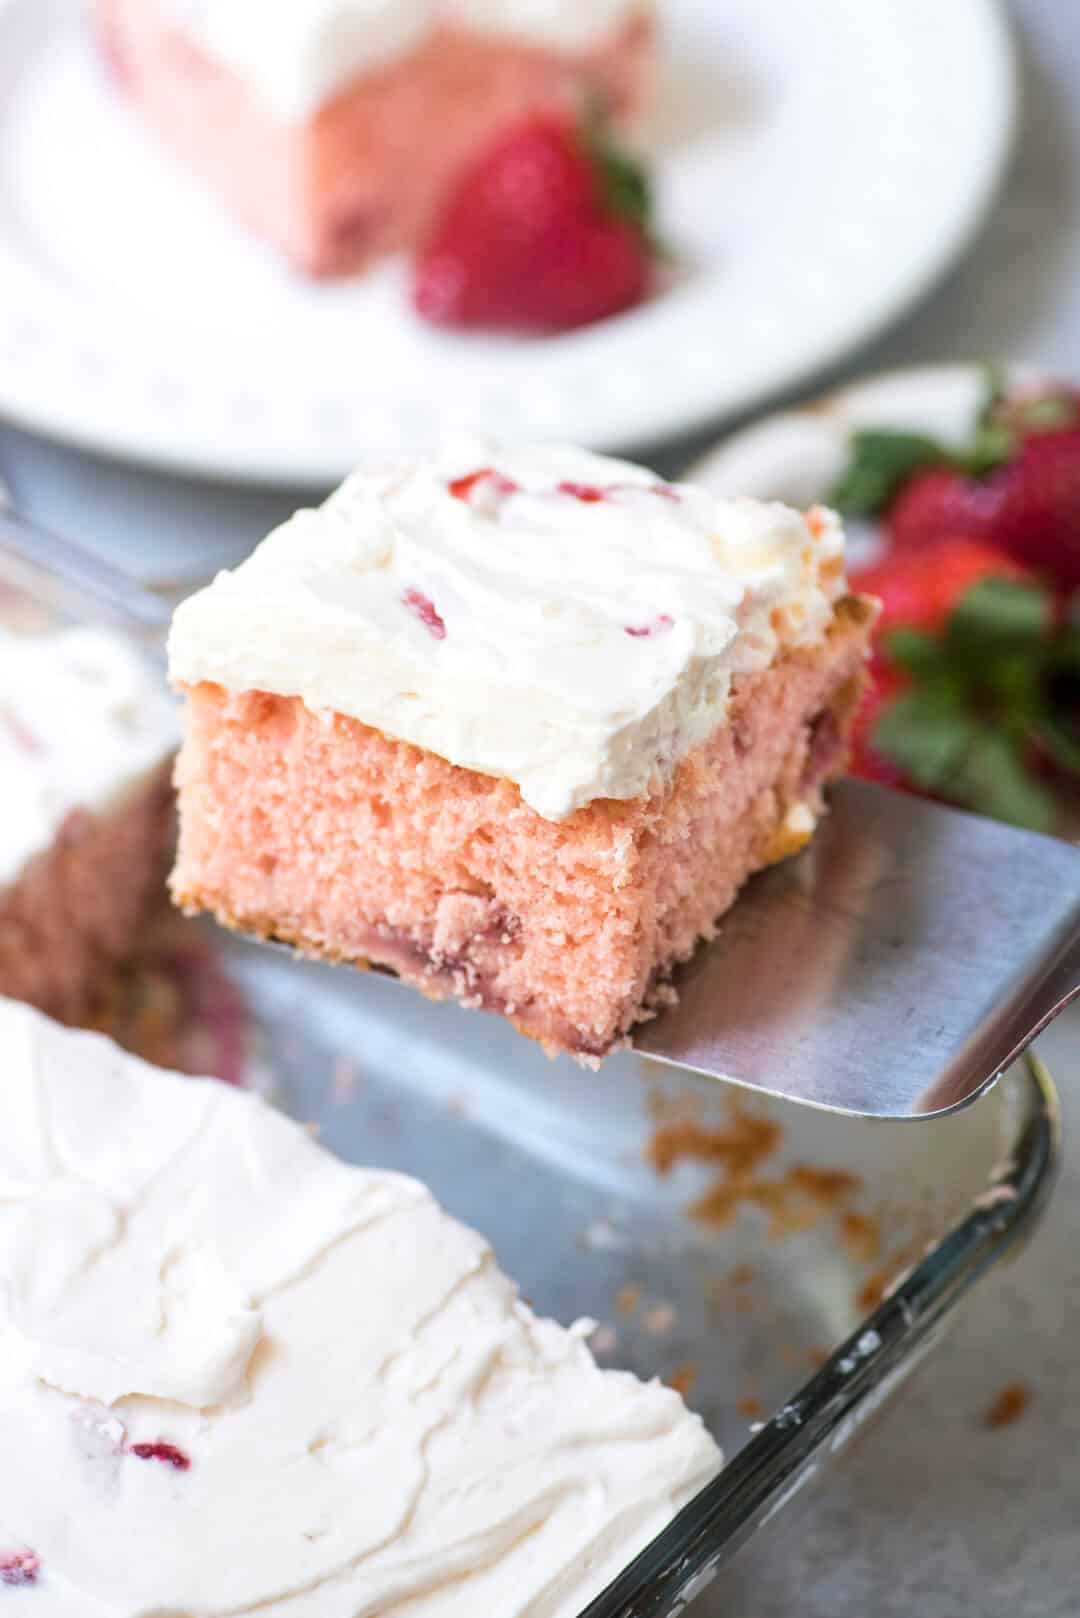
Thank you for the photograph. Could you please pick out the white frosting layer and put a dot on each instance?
(570, 25)
(82, 718)
(297, 54)
(578, 649)
(370, 1417)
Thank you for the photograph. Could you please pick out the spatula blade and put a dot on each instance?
(892, 970)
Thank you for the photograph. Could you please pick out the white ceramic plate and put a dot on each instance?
(797, 455)
(820, 162)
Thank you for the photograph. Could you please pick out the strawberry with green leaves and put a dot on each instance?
(1015, 485)
(920, 589)
(971, 666)
(978, 651)
(547, 230)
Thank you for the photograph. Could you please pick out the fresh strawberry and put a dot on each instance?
(866, 761)
(546, 231)
(937, 505)
(920, 590)
(966, 708)
(978, 655)
(885, 464)
(1038, 506)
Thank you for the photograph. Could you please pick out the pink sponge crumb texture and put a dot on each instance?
(77, 910)
(366, 175)
(324, 833)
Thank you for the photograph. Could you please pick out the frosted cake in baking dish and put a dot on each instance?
(238, 1376)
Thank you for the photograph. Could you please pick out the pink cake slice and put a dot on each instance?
(419, 734)
(86, 743)
(339, 164)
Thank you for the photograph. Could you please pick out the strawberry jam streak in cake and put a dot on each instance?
(363, 1418)
(86, 733)
(336, 127)
(523, 751)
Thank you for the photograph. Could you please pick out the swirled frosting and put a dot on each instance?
(82, 719)
(563, 620)
(239, 1376)
(297, 54)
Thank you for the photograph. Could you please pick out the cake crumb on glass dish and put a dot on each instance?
(517, 725)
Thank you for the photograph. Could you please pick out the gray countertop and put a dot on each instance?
(935, 1514)
(938, 1515)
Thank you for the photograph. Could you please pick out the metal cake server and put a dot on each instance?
(891, 970)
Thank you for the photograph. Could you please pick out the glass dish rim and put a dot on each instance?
(857, 1377)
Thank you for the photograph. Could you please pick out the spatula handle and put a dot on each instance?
(85, 572)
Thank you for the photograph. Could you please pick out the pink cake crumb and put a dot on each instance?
(367, 174)
(76, 911)
(354, 846)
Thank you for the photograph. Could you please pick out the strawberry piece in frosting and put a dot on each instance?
(19, 1567)
(485, 489)
(659, 626)
(423, 608)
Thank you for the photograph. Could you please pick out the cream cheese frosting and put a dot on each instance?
(571, 25)
(565, 620)
(238, 1376)
(297, 54)
(82, 719)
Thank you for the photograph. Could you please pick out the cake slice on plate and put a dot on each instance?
(335, 127)
(238, 1375)
(87, 735)
(516, 725)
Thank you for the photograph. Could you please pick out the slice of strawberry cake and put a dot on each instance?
(87, 734)
(335, 127)
(518, 726)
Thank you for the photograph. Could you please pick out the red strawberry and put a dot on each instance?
(1038, 516)
(544, 232)
(938, 505)
(166, 1453)
(920, 590)
(865, 761)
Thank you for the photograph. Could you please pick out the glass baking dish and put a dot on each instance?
(822, 1259)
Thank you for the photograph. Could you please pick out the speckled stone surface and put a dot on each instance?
(934, 1514)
